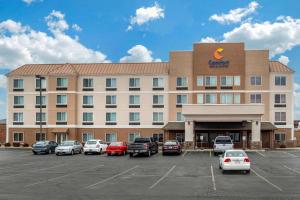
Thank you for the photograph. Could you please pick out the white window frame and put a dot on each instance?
(158, 98)
(57, 103)
(133, 96)
(62, 86)
(110, 117)
(280, 133)
(43, 133)
(281, 80)
(237, 96)
(158, 116)
(135, 135)
(162, 81)
(83, 113)
(134, 113)
(227, 81)
(135, 81)
(66, 116)
(200, 98)
(227, 97)
(86, 104)
(36, 116)
(87, 133)
(209, 83)
(18, 137)
(111, 87)
(181, 103)
(237, 81)
(18, 116)
(280, 99)
(89, 79)
(183, 80)
(43, 83)
(181, 118)
(215, 98)
(256, 80)
(281, 116)
(200, 80)
(36, 100)
(111, 102)
(112, 133)
(18, 103)
(158, 135)
(18, 79)
(255, 95)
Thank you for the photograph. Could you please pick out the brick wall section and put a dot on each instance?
(2, 133)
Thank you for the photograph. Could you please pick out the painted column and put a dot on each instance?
(189, 134)
(256, 135)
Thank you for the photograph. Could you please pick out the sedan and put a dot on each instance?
(94, 146)
(46, 147)
(234, 160)
(68, 147)
(118, 148)
(171, 146)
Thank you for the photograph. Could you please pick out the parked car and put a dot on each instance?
(221, 144)
(171, 146)
(234, 160)
(46, 147)
(68, 147)
(119, 148)
(143, 146)
(94, 146)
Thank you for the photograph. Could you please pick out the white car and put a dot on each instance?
(234, 160)
(68, 147)
(221, 144)
(94, 146)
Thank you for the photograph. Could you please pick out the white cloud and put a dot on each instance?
(278, 36)
(284, 59)
(2, 81)
(236, 15)
(297, 87)
(297, 100)
(21, 44)
(76, 27)
(139, 53)
(144, 15)
(28, 2)
(208, 40)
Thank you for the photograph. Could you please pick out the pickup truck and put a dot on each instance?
(143, 146)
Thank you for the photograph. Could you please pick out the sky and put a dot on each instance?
(59, 31)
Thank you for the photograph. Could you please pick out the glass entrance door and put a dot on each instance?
(61, 137)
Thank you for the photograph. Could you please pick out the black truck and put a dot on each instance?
(143, 145)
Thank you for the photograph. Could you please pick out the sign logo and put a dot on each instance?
(218, 62)
(217, 53)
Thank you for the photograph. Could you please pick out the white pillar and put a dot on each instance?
(189, 131)
(256, 131)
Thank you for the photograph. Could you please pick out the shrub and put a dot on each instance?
(16, 144)
(25, 145)
(7, 144)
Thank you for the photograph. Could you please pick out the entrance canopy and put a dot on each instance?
(60, 130)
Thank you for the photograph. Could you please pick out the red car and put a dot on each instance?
(171, 146)
(118, 148)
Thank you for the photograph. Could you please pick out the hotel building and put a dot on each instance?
(213, 89)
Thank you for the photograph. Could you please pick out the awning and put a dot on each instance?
(59, 130)
(174, 126)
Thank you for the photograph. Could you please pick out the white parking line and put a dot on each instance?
(213, 177)
(59, 177)
(209, 153)
(260, 154)
(263, 178)
(110, 178)
(163, 177)
(293, 170)
(184, 153)
(293, 155)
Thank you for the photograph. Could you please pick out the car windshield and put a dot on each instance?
(141, 140)
(223, 140)
(67, 144)
(116, 144)
(235, 154)
(42, 143)
(91, 142)
(170, 143)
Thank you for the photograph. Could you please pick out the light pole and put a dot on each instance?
(40, 89)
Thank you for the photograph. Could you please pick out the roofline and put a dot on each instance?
(293, 71)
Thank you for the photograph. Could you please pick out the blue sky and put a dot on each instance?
(43, 31)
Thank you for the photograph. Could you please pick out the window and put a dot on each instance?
(255, 80)
(255, 98)
(38, 117)
(280, 116)
(211, 81)
(237, 98)
(237, 80)
(18, 117)
(280, 98)
(199, 80)
(134, 82)
(226, 80)
(226, 99)
(61, 99)
(158, 99)
(61, 116)
(181, 99)
(235, 137)
(280, 80)
(158, 137)
(134, 117)
(179, 117)
(279, 137)
(200, 99)
(158, 82)
(110, 137)
(40, 137)
(38, 100)
(87, 136)
(179, 137)
(62, 82)
(210, 98)
(87, 100)
(158, 117)
(181, 82)
(18, 137)
(134, 99)
(37, 83)
(18, 100)
(111, 83)
(111, 117)
(18, 84)
(88, 83)
(132, 136)
(87, 117)
(111, 100)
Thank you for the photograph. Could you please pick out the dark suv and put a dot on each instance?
(141, 145)
(46, 147)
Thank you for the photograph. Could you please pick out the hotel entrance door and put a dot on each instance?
(61, 137)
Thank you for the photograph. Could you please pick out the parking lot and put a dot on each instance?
(192, 175)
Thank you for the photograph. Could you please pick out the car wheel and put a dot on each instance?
(220, 166)
(57, 154)
(130, 154)
(49, 151)
(163, 153)
(149, 153)
(108, 154)
(34, 153)
(100, 151)
(124, 153)
(223, 171)
(72, 152)
(80, 151)
(85, 153)
(215, 153)
(247, 171)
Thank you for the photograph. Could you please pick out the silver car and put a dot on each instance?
(221, 144)
(68, 147)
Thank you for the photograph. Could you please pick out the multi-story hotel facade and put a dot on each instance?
(213, 89)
